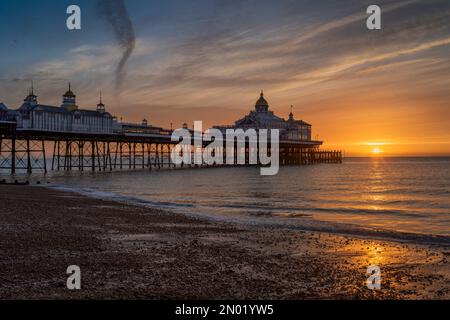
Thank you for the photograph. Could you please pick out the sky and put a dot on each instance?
(209, 59)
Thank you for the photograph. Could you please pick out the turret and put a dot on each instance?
(69, 100)
(31, 98)
(100, 105)
(291, 115)
(262, 105)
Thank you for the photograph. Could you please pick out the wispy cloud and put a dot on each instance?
(218, 55)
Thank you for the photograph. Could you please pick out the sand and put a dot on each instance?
(133, 252)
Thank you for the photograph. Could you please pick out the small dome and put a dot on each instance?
(31, 98)
(69, 92)
(100, 105)
(262, 105)
(261, 101)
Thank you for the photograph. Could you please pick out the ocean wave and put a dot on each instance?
(266, 220)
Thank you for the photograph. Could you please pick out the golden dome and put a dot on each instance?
(262, 105)
(261, 101)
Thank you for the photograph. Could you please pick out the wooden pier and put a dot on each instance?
(299, 155)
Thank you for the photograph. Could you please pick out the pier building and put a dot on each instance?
(67, 117)
(263, 118)
(94, 140)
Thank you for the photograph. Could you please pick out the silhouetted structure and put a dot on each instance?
(96, 141)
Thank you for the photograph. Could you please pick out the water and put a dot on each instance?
(398, 195)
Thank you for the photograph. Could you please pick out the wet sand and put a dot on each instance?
(133, 252)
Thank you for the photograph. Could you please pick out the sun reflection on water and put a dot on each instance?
(373, 252)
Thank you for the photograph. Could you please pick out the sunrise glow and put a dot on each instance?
(376, 151)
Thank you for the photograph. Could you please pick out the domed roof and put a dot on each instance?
(69, 92)
(31, 97)
(261, 101)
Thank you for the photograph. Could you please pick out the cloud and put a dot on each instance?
(116, 14)
(318, 56)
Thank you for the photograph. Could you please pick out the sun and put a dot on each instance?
(376, 151)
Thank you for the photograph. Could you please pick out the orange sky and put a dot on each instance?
(358, 88)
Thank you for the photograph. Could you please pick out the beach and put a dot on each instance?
(128, 251)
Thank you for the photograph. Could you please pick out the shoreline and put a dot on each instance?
(127, 251)
(309, 225)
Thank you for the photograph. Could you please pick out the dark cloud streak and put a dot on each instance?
(116, 14)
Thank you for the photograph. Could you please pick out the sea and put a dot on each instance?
(401, 198)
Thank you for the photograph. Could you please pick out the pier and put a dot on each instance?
(30, 151)
(40, 137)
